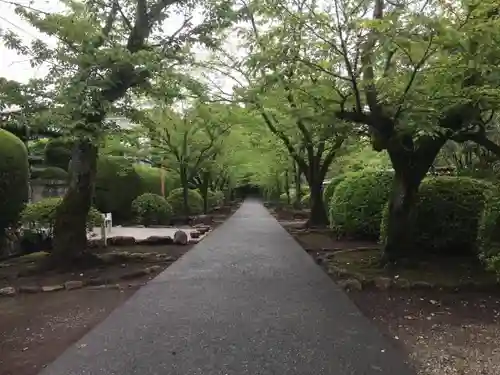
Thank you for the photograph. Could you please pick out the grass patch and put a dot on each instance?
(439, 271)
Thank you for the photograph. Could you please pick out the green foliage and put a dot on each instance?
(356, 206)
(14, 176)
(151, 179)
(448, 213)
(151, 209)
(50, 173)
(176, 200)
(329, 189)
(215, 198)
(42, 215)
(488, 236)
(117, 185)
(305, 201)
(58, 153)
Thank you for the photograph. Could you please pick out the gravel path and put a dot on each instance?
(245, 301)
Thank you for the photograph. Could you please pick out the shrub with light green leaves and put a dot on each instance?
(329, 189)
(42, 214)
(151, 209)
(447, 216)
(176, 201)
(355, 209)
(488, 235)
(14, 177)
(305, 201)
(215, 198)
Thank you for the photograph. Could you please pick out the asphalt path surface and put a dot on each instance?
(245, 300)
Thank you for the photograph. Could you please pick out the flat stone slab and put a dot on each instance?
(245, 301)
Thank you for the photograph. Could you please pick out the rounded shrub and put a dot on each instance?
(356, 206)
(329, 189)
(215, 198)
(151, 209)
(448, 214)
(58, 153)
(117, 184)
(176, 201)
(151, 179)
(42, 215)
(488, 235)
(50, 173)
(14, 178)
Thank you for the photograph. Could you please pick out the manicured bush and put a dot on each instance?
(42, 215)
(215, 198)
(116, 186)
(488, 236)
(356, 206)
(329, 189)
(447, 215)
(14, 177)
(58, 153)
(50, 173)
(151, 209)
(195, 202)
(151, 179)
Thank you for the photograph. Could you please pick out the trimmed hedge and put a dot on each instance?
(176, 201)
(356, 206)
(14, 178)
(58, 153)
(116, 186)
(447, 215)
(42, 214)
(151, 209)
(50, 173)
(215, 198)
(329, 189)
(151, 179)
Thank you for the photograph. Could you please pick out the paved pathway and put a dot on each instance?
(245, 301)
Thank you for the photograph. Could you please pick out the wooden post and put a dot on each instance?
(162, 181)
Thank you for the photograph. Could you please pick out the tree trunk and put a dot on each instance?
(185, 189)
(287, 188)
(205, 181)
(298, 185)
(399, 233)
(318, 216)
(70, 234)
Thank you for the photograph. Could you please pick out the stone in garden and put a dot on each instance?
(135, 274)
(30, 289)
(338, 272)
(8, 291)
(121, 241)
(193, 241)
(350, 284)
(154, 268)
(422, 285)
(157, 240)
(73, 284)
(203, 219)
(382, 283)
(195, 234)
(52, 288)
(180, 238)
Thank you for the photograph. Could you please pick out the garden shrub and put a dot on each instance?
(117, 185)
(305, 201)
(355, 208)
(42, 215)
(176, 201)
(447, 215)
(58, 153)
(329, 189)
(151, 179)
(50, 173)
(488, 236)
(151, 209)
(215, 198)
(14, 178)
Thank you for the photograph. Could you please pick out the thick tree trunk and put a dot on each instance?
(70, 235)
(399, 231)
(318, 216)
(298, 185)
(287, 189)
(185, 189)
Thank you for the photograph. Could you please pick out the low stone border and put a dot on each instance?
(355, 281)
(94, 284)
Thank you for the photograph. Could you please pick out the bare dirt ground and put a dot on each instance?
(444, 332)
(36, 328)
